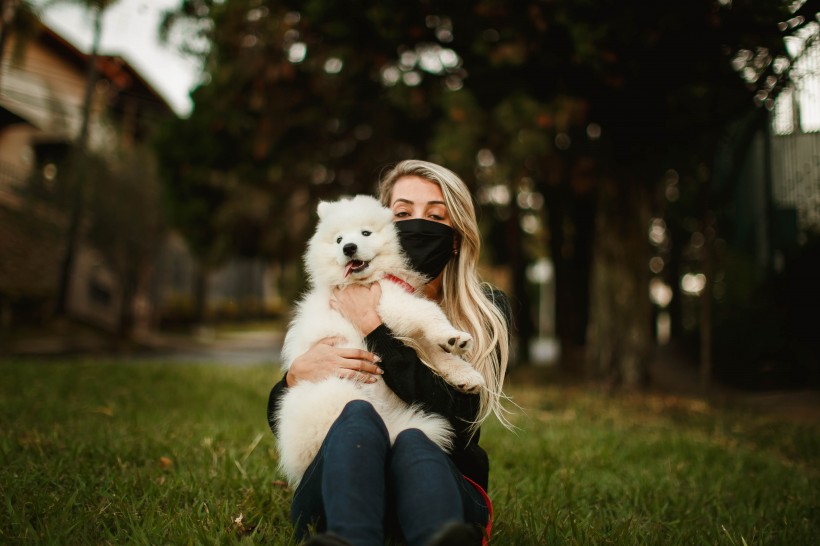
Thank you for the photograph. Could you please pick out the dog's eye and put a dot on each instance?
(366, 233)
(338, 240)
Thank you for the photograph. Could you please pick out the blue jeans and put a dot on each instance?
(359, 487)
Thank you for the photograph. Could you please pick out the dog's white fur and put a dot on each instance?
(308, 409)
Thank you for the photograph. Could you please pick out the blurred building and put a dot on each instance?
(42, 92)
(767, 259)
(776, 195)
(795, 147)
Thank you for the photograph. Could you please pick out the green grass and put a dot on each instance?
(96, 452)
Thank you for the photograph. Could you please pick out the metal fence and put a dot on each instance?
(795, 163)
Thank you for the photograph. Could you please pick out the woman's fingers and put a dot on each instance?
(356, 364)
(358, 304)
(360, 360)
(325, 358)
(346, 373)
(359, 365)
(362, 366)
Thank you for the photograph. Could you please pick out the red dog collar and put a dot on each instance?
(404, 284)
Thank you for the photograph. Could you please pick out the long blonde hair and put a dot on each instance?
(464, 298)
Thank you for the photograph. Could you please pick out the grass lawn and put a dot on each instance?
(96, 452)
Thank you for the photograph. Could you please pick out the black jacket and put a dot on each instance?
(415, 383)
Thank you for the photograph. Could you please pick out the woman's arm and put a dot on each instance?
(323, 360)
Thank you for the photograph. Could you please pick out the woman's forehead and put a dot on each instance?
(416, 190)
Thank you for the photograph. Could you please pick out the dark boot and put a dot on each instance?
(325, 539)
(458, 534)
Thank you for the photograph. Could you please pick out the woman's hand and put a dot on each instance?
(324, 360)
(359, 305)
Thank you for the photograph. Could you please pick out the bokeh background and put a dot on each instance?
(647, 173)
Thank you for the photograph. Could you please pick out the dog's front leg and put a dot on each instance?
(412, 316)
(440, 342)
(453, 369)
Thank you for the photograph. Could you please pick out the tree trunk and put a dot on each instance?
(74, 179)
(201, 294)
(79, 171)
(129, 283)
(520, 301)
(619, 331)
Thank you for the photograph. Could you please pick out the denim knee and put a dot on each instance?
(413, 439)
(362, 414)
(359, 408)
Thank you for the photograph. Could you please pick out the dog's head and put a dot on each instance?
(355, 242)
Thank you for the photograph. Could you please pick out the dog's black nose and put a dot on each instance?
(349, 249)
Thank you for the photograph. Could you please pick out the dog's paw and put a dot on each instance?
(466, 379)
(456, 343)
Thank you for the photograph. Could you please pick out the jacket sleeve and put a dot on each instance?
(415, 383)
(274, 398)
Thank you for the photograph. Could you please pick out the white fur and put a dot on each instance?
(307, 410)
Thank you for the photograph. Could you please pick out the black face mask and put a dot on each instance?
(428, 244)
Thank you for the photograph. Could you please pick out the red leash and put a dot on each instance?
(489, 528)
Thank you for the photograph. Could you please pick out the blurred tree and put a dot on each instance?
(126, 223)
(587, 103)
(79, 161)
(620, 94)
(292, 111)
(590, 104)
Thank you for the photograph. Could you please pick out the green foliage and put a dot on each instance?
(111, 451)
(272, 133)
(297, 103)
(600, 52)
(310, 100)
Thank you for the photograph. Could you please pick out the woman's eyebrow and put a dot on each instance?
(409, 202)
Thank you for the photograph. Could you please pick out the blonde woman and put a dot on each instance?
(359, 489)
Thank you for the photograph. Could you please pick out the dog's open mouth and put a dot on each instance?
(354, 266)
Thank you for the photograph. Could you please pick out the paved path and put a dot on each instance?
(205, 346)
(210, 346)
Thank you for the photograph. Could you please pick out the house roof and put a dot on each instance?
(126, 80)
(114, 68)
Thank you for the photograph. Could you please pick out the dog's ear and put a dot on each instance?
(321, 209)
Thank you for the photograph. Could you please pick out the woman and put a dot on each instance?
(359, 488)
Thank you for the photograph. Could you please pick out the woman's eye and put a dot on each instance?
(338, 240)
(436, 217)
(366, 233)
(401, 214)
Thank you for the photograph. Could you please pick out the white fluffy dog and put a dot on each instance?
(356, 243)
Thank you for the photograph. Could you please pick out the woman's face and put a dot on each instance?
(415, 197)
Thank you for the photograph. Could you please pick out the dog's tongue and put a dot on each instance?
(351, 265)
